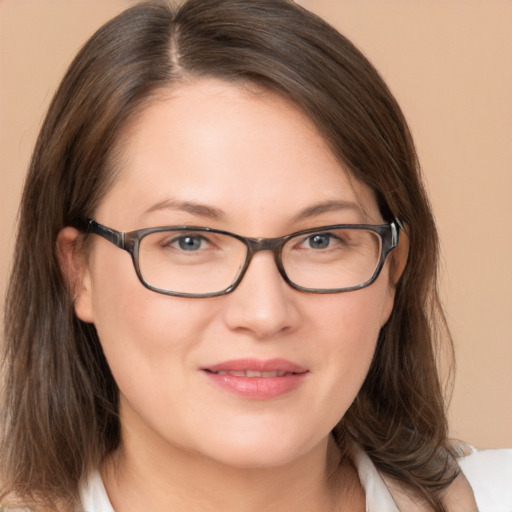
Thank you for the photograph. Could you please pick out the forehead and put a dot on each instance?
(241, 150)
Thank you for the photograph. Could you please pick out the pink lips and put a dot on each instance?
(255, 378)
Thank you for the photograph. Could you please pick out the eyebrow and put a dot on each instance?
(211, 212)
(328, 206)
(192, 207)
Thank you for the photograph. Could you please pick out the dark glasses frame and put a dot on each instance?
(130, 242)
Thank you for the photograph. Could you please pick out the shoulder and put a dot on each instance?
(489, 473)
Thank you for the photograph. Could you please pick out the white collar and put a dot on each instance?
(94, 496)
(378, 497)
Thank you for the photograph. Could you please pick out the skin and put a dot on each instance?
(257, 162)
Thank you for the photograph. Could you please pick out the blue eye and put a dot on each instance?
(188, 242)
(319, 241)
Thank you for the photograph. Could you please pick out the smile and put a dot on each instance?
(256, 379)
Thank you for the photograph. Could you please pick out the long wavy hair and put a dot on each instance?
(59, 408)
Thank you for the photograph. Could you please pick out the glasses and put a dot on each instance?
(187, 261)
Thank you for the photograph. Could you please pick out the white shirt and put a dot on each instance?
(489, 473)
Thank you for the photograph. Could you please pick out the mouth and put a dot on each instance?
(252, 373)
(257, 379)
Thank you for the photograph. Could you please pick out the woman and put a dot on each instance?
(268, 342)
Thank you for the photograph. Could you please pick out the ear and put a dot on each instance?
(75, 270)
(399, 258)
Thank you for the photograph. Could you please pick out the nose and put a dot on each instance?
(263, 304)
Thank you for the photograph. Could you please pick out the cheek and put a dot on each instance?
(353, 319)
(347, 327)
(354, 335)
(146, 336)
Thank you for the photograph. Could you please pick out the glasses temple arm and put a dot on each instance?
(113, 236)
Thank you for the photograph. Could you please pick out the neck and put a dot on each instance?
(146, 474)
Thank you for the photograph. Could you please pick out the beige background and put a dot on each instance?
(450, 65)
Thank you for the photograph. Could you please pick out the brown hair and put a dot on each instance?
(60, 403)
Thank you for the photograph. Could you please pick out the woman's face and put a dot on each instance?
(249, 162)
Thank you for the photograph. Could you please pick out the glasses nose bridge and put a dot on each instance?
(264, 244)
(273, 245)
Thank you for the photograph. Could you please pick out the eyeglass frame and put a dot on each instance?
(130, 242)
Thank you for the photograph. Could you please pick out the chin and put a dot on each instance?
(255, 459)
(248, 451)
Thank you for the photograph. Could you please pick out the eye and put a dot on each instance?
(188, 243)
(318, 241)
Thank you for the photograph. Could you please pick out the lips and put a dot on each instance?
(252, 373)
(255, 378)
